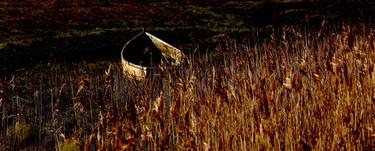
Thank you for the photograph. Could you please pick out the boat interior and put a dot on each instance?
(142, 51)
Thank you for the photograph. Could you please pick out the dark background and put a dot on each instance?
(75, 30)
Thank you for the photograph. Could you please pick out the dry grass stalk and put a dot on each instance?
(294, 92)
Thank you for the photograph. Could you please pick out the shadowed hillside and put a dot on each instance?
(43, 30)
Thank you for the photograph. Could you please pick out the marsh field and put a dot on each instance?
(262, 75)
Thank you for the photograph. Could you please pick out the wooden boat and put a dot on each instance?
(144, 53)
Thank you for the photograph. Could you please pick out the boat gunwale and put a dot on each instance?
(144, 69)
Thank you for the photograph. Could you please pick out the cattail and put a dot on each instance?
(82, 85)
(303, 66)
(288, 83)
(157, 102)
(335, 67)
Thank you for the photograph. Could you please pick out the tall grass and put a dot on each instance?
(298, 90)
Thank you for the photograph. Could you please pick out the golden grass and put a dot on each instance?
(295, 91)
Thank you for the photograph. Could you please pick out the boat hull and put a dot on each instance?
(145, 52)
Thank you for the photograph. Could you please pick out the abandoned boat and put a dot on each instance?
(145, 53)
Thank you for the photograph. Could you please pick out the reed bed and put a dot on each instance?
(296, 90)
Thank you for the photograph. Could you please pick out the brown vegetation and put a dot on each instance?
(294, 91)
